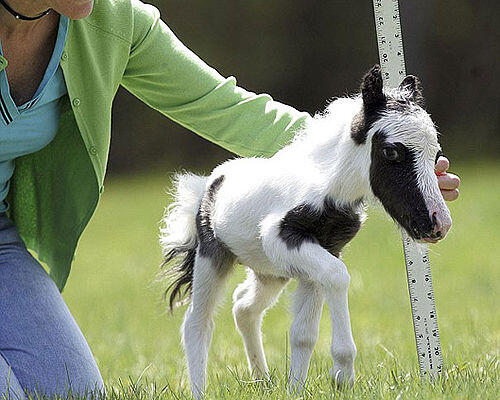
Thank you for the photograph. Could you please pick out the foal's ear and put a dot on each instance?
(374, 101)
(371, 89)
(412, 85)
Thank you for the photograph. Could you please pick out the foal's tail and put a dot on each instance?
(178, 236)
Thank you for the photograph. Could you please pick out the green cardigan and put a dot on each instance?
(55, 191)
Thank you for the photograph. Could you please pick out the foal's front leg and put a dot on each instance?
(343, 349)
(309, 261)
(304, 332)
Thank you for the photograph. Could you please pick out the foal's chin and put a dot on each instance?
(418, 228)
(429, 240)
(423, 237)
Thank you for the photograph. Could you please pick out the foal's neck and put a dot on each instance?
(327, 143)
(348, 175)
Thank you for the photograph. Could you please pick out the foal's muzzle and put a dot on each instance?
(441, 224)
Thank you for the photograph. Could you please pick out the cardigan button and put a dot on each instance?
(93, 150)
(64, 56)
(76, 102)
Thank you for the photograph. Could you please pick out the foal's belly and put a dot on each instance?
(238, 228)
(241, 235)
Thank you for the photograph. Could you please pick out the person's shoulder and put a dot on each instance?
(123, 8)
(121, 17)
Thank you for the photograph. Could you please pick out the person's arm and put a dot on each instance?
(170, 78)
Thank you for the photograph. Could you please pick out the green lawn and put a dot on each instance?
(112, 294)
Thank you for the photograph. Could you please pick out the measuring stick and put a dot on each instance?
(418, 267)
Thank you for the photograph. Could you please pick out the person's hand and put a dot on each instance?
(448, 183)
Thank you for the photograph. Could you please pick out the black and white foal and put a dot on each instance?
(290, 216)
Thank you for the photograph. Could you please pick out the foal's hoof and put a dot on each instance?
(342, 378)
(295, 388)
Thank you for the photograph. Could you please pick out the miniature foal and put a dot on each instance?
(289, 216)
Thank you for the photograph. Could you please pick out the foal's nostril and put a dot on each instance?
(434, 219)
(441, 222)
(437, 227)
(436, 235)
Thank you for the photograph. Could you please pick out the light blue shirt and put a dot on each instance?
(31, 126)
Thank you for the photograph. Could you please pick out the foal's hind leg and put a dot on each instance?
(251, 299)
(208, 281)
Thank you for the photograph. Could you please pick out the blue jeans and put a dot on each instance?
(42, 349)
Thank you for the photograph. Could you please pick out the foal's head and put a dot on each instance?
(404, 149)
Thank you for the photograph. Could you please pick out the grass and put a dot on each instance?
(137, 344)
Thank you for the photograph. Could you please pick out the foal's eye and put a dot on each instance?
(391, 153)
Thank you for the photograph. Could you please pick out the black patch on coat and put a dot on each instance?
(395, 184)
(208, 244)
(360, 126)
(332, 227)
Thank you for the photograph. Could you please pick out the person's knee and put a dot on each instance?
(82, 380)
(88, 384)
(10, 388)
(39, 338)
